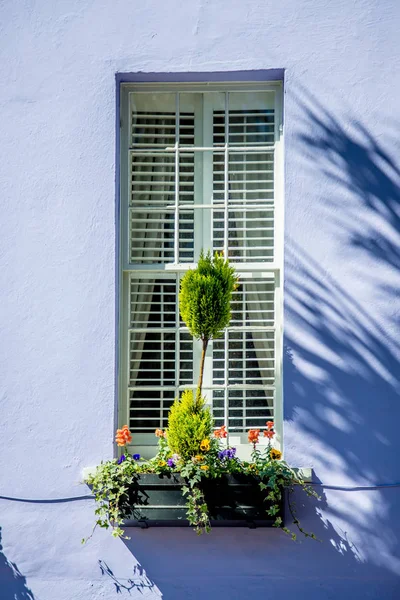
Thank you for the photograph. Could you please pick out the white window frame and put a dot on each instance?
(265, 269)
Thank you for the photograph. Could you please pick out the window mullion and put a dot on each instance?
(207, 196)
(199, 191)
(226, 222)
(226, 373)
(162, 357)
(177, 339)
(244, 358)
(198, 179)
(176, 221)
(226, 175)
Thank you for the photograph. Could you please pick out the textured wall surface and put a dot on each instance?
(58, 64)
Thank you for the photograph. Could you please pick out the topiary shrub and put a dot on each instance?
(205, 300)
(189, 423)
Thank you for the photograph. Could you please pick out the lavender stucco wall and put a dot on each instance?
(58, 63)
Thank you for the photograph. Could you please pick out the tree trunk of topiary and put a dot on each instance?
(203, 356)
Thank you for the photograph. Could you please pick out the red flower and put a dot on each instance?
(269, 433)
(253, 436)
(270, 424)
(221, 432)
(123, 436)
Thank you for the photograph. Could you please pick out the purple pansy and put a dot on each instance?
(230, 453)
(136, 456)
(170, 462)
(227, 453)
(121, 459)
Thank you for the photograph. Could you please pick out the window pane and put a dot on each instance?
(253, 303)
(251, 357)
(152, 303)
(151, 237)
(249, 408)
(160, 349)
(148, 409)
(186, 236)
(250, 179)
(153, 178)
(152, 208)
(248, 354)
(250, 235)
(251, 118)
(152, 123)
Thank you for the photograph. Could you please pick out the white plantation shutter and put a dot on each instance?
(201, 167)
(160, 351)
(249, 350)
(250, 183)
(153, 174)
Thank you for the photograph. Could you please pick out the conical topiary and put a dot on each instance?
(189, 423)
(205, 300)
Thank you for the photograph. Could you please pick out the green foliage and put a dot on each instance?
(205, 296)
(111, 484)
(117, 486)
(189, 423)
(274, 476)
(197, 509)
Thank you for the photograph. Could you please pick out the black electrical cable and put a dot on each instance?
(357, 488)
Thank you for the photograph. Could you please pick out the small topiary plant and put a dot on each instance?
(189, 423)
(205, 300)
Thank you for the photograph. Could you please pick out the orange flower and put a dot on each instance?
(253, 436)
(269, 433)
(159, 433)
(221, 432)
(123, 436)
(270, 424)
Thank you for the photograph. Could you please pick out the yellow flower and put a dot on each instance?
(204, 468)
(199, 457)
(275, 454)
(205, 445)
(162, 463)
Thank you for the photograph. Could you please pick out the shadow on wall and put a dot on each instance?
(137, 582)
(342, 350)
(12, 582)
(244, 563)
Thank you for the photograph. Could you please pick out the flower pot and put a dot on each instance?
(232, 500)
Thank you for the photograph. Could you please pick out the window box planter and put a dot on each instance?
(233, 501)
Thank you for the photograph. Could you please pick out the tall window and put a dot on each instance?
(200, 168)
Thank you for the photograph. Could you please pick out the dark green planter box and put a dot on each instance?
(233, 501)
